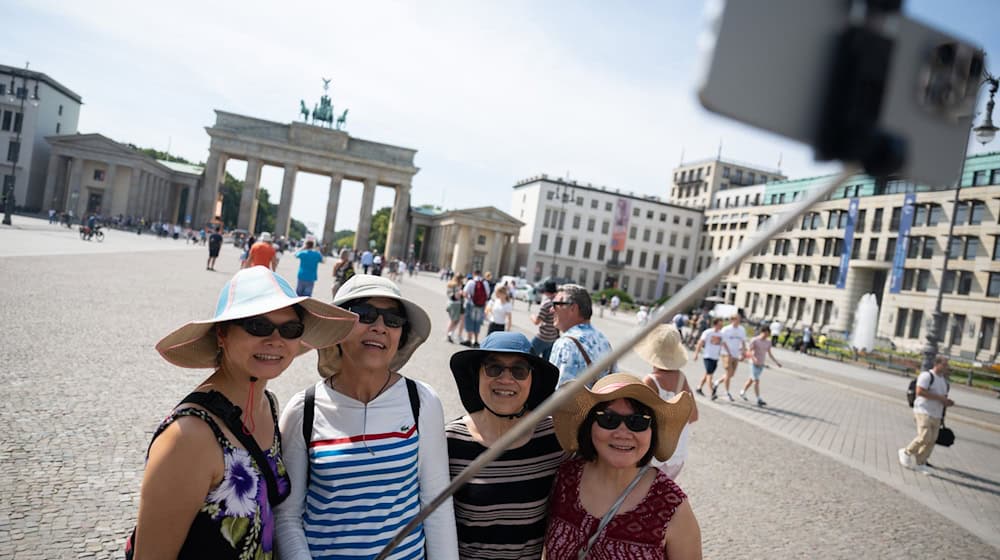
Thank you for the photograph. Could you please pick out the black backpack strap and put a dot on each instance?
(217, 403)
(411, 388)
(308, 412)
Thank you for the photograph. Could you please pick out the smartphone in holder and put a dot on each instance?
(769, 64)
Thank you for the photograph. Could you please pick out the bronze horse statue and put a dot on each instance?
(303, 110)
(342, 119)
(323, 112)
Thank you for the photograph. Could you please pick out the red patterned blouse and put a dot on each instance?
(632, 535)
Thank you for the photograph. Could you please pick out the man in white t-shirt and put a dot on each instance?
(928, 411)
(711, 341)
(734, 343)
(775, 331)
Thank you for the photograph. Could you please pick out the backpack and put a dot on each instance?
(479, 296)
(911, 390)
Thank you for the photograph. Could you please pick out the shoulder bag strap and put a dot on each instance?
(308, 411)
(216, 403)
(576, 341)
(611, 512)
(411, 388)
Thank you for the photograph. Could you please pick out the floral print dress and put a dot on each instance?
(236, 521)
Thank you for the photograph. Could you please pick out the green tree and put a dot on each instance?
(231, 191)
(297, 230)
(380, 228)
(345, 242)
(156, 154)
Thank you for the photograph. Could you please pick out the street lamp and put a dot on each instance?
(564, 194)
(984, 134)
(12, 95)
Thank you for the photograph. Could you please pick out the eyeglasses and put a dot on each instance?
(368, 314)
(261, 326)
(558, 303)
(518, 372)
(611, 420)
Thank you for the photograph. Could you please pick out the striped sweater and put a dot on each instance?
(501, 512)
(371, 471)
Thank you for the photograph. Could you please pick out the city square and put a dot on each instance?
(814, 473)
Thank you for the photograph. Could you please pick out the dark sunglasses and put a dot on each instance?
(368, 314)
(611, 420)
(261, 326)
(518, 372)
(558, 303)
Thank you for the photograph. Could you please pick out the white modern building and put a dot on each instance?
(600, 237)
(695, 184)
(36, 106)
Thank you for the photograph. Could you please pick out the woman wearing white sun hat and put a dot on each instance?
(365, 447)
(208, 488)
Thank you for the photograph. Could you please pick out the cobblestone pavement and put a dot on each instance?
(84, 389)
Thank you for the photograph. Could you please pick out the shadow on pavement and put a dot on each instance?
(970, 476)
(775, 411)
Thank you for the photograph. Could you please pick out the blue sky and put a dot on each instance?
(488, 93)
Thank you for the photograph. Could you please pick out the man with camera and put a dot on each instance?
(928, 411)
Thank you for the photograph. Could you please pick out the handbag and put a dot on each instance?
(945, 437)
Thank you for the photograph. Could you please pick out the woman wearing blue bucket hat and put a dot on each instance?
(501, 513)
(208, 487)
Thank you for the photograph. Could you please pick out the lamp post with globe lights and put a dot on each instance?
(984, 134)
(14, 93)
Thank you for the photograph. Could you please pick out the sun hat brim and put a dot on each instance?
(367, 286)
(671, 416)
(662, 348)
(195, 344)
(465, 368)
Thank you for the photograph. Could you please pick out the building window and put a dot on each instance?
(590, 224)
(631, 232)
(996, 248)
(543, 242)
(481, 240)
(579, 201)
(923, 279)
(99, 176)
(663, 217)
(935, 215)
(572, 247)
(545, 219)
(890, 249)
(635, 212)
(978, 209)
(8, 116)
(13, 150)
(649, 214)
(58, 128)
(928, 249)
(961, 213)
(979, 178)
(948, 282)
(604, 226)
(670, 264)
(576, 221)
(60, 110)
(586, 249)
(877, 221)
(549, 195)
(686, 242)
(659, 237)
(568, 273)
(920, 215)
(993, 289)
(908, 275)
(600, 251)
(593, 206)
(954, 247)
(964, 282)
(642, 259)
(873, 248)
(916, 318)
(608, 206)
(971, 246)
(645, 234)
(673, 239)
(628, 257)
(689, 222)
(894, 219)
(957, 328)
(901, 318)
(986, 334)
(682, 266)
(557, 246)
(656, 261)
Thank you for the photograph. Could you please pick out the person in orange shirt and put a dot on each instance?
(262, 253)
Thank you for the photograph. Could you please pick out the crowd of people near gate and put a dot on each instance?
(347, 463)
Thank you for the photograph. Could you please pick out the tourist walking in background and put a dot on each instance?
(455, 309)
(664, 350)
(367, 258)
(365, 447)
(477, 294)
(580, 343)
(711, 341)
(544, 319)
(206, 474)
(309, 260)
(214, 246)
(760, 349)
(343, 270)
(603, 303)
(616, 430)
(615, 302)
(734, 342)
(500, 310)
(928, 411)
(262, 253)
(501, 512)
(775, 329)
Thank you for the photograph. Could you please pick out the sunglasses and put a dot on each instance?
(635, 422)
(518, 372)
(261, 326)
(558, 303)
(368, 314)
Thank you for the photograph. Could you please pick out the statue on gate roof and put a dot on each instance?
(323, 111)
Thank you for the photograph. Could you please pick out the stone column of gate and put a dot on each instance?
(287, 194)
(396, 241)
(107, 207)
(492, 262)
(75, 178)
(332, 203)
(215, 167)
(49, 194)
(247, 218)
(365, 216)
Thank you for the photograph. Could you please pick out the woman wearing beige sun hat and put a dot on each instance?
(616, 428)
(208, 488)
(365, 447)
(664, 350)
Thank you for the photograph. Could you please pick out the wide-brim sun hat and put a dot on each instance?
(671, 416)
(250, 292)
(465, 369)
(367, 286)
(663, 348)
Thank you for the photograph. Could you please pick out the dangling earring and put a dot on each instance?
(218, 356)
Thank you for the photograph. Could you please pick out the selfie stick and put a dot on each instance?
(684, 297)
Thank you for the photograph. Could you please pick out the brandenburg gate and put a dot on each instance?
(303, 147)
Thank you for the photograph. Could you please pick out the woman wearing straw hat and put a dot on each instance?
(501, 513)
(198, 502)
(664, 350)
(365, 447)
(608, 500)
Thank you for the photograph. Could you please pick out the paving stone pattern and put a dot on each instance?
(84, 390)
